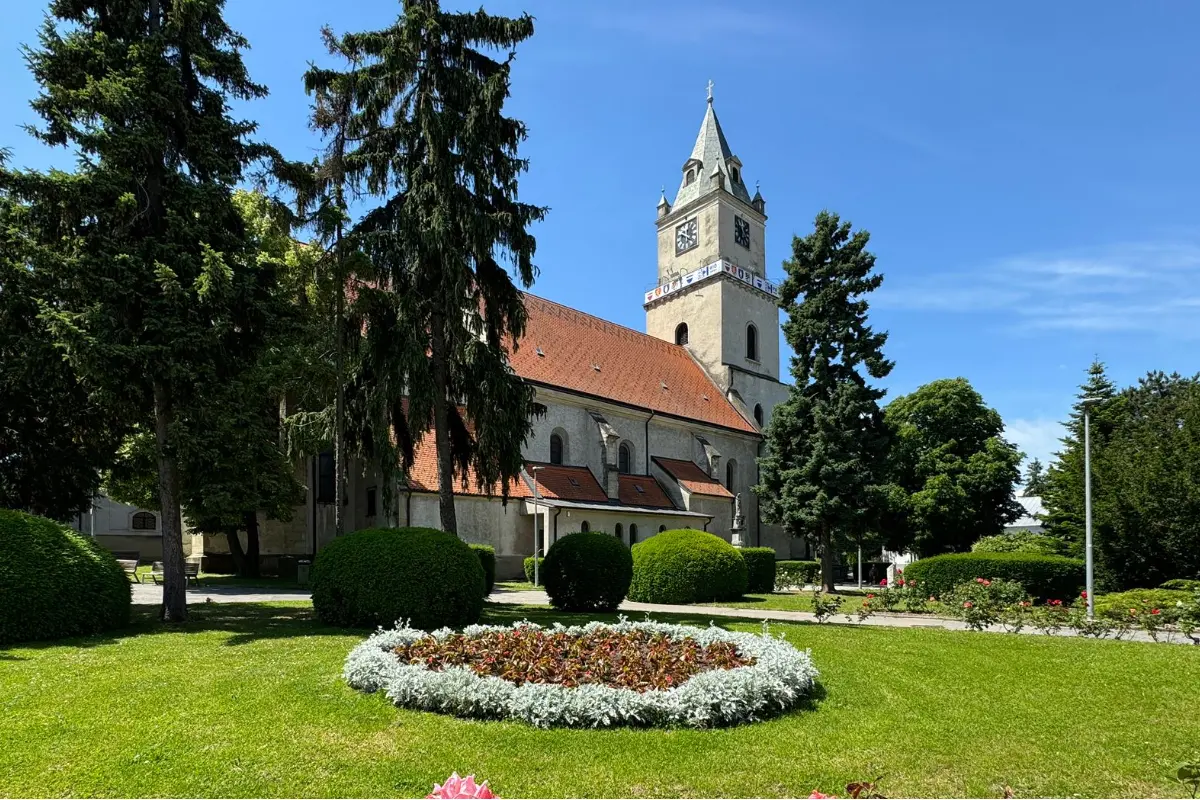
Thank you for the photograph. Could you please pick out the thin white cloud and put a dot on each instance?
(1150, 287)
(1037, 438)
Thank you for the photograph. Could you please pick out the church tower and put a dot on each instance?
(712, 293)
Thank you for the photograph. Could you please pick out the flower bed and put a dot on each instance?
(591, 676)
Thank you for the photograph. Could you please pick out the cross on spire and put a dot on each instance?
(710, 85)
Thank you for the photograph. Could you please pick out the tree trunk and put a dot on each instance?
(441, 422)
(174, 603)
(235, 549)
(250, 570)
(826, 560)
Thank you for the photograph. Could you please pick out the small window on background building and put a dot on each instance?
(758, 413)
(556, 449)
(623, 459)
(325, 480)
(662, 528)
(371, 502)
(632, 533)
(619, 531)
(584, 527)
(144, 521)
(681, 333)
(752, 342)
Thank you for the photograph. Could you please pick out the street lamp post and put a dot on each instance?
(1086, 402)
(537, 516)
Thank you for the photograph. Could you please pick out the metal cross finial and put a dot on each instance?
(710, 85)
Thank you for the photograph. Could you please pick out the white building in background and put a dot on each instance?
(1031, 520)
(126, 529)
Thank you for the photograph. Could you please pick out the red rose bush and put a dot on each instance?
(591, 676)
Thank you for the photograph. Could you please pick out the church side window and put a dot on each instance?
(619, 531)
(585, 527)
(752, 342)
(632, 533)
(624, 457)
(556, 448)
(325, 477)
(730, 473)
(681, 333)
(758, 413)
(144, 521)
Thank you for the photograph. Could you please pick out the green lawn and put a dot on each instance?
(518, 586)
(795, 601)
(247, 701)
(220, 579)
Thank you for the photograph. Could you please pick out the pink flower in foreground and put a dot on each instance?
(968, 604)
(883, 582)
(456, 787)
(818, 796)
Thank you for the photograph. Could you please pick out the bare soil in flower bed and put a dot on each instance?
(635, 660)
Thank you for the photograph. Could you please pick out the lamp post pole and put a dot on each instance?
(1087, 507)
(537, 516)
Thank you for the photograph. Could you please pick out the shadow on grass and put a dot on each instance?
(248, 622)
(505, 614)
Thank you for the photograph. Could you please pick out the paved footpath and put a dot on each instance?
(150, 594)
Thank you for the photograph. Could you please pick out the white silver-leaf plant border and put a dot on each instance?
(779, 679)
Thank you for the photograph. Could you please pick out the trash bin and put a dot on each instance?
(302, 568)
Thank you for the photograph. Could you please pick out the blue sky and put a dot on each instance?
(1027, 171)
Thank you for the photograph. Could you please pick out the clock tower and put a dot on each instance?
(712, 294)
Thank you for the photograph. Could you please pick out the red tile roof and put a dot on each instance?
(423, 476)
(643, 490)
(586, 354)
(559, 482)
(691, 477)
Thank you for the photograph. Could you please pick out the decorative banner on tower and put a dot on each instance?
(716, 267)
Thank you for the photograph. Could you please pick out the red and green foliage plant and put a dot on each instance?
(636, 660)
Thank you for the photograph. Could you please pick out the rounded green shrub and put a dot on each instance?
(1044, 577)
(587, 572)
(487, 560)
(1120, 603)
(55, 582)
(686, 566)
(796, 574)
(381, 576)
(760, 568)
(1181, 584)
(541, 562)
(1021, 542)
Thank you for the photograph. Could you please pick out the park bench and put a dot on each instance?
(191, 571)
(129, 561)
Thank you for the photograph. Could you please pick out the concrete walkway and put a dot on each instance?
(150, 594)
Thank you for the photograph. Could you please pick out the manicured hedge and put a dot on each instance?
(587, 572)
(487, 559)
(686, 566)
(529, 568)
(760, 568)
(796, 574)
(1141, 600)
(381, 576)
(1181, 584)
(1044, 577)
(55, 582)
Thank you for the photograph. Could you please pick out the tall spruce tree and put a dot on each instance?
(1035, 479)
(157, 293)
(824, 472)
(441, 311)
(1063, 485)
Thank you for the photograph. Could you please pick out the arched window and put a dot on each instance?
(681, 333)
(662, 528)
(584, 527)
(689, 177)
(758, 414)
(619, 532)
(632, 534)
(624, 459)
(144, 521)
(556, 448)
(752, 342)
(730, 473)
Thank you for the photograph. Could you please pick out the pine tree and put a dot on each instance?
(1035, 479)
(1063, 485)
(441, 312)
(157, 295)
(823, 475)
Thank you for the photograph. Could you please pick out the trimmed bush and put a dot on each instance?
(55, 582)
(529, 568)
(686, 566)
(382, 576)
(796, 574)
(760, 569)
(1021, 542)
(487, 560)
(1181, 584)
(1044, 577)
(587, 572)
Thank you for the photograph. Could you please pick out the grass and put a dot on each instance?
(220, 579)
(518, 586)
(795, 601)
(246, 700)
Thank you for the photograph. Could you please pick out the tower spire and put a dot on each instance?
(712, 164)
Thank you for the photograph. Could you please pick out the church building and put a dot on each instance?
(643, 432)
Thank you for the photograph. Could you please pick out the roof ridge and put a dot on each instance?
(601, 322)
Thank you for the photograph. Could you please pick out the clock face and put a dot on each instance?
(687, 234)
(741, 232)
